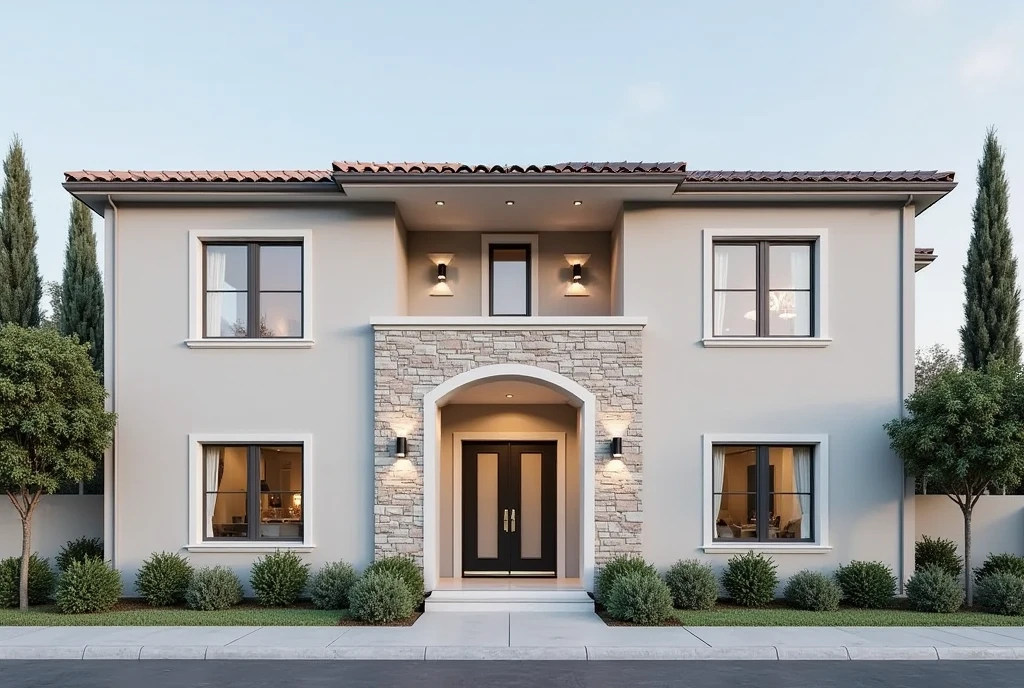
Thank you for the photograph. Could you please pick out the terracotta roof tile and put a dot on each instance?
(924, 252)
(357, 167)
(198, 176)
(818, 176)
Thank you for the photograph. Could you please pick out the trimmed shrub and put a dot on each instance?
(639, 597)
(406, 569)
(1000, 563)
(619, 566)
(213, 588)
(813, 591)
(751, 579)
(935, 590)
(79, 550)
(867, 584)
(89, 585)
(163, 579)
(279, 578)
(693, 584)
(41, 581)
(381, 597)
(1001, 593)
(938, 553)
(330, 586)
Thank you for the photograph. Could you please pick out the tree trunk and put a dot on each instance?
(967, 556)
(26, 552)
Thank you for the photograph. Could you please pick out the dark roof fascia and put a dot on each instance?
(192, 187)
(823, 187)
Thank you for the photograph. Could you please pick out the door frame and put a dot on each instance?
(525, 437)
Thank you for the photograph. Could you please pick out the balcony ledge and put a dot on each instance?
(537, 322)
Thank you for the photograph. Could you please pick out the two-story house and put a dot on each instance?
(511, 374)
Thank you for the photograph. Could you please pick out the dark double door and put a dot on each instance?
(509, 509)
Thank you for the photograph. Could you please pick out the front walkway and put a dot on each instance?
(494, 635)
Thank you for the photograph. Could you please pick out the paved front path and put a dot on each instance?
(495, 635)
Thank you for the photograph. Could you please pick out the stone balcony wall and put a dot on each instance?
(410, 362)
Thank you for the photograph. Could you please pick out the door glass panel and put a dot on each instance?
(487, 506)
(528, 520)
(509, 279)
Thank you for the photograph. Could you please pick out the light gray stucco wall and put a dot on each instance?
(57, 519)
(997, 524)
(499, 418)
(166, 391)
(465, 273)
(846, 390)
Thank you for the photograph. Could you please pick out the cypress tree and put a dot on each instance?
(81, 300)
(21, 286)
(992, 306)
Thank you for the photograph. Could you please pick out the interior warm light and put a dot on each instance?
(750, 315)
(510, 202)
(577, 202)
(297, 499)
(438, 202)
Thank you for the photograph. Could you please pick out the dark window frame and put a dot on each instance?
(765, 497)
(762, 282)
(252, 494)
(253, 290)
(491, 248)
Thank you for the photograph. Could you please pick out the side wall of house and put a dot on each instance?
(846, 390)
(165, 390)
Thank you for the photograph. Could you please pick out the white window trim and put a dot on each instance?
(820, 497)
(196, 339)
(486, 241)
(820, 336)
(195, 492)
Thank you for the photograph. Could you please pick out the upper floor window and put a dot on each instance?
(510, 279)
(253, 289)
(763, 289)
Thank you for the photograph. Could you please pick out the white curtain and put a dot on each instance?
(721, 272)
(802, 483)
(800, 264)
(718, 471)
(216, 278)
(211, 462)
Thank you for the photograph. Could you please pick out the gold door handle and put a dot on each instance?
(506, 521)
(513, 520)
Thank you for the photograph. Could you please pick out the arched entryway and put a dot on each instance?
(482, 377)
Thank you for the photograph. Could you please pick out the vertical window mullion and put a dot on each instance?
(529, 279)
(254, 290)
(253, 492)
(762, 493)
(763, 312)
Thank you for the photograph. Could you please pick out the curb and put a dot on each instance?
(448, 653)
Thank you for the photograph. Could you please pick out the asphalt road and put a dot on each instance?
(312, 674)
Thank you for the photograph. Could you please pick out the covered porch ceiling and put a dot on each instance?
(508, 392)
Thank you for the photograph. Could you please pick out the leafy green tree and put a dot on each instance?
(81, 299)
(992, 305)
(932, 361)
(965, 432)
(21, 287)
(53, 318)
(53, 423)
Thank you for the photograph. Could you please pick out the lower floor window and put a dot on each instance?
(763, 492)
(252, 492)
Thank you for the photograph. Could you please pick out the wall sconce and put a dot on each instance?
(617, 447)
(442, 261)
(401, 446)
(576, 261)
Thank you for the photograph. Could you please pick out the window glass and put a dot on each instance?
(789, 313)
(735, 313)
(510, 281)
(735, 266)
(281, 492)
(280, 314)
(789, 266)
(227, 314)
(280, 268)
(735, 488)
(227, 268)
(226, 473)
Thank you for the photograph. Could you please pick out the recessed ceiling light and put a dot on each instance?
(510, 202)
(438, 202)
(577, 202)
(508, 396)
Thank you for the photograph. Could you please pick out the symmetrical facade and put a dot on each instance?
(509, 373)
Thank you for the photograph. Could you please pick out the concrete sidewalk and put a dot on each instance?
(496, 635)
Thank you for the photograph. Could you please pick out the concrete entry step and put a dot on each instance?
(509, 601)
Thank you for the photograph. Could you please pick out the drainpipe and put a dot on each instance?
(905, 390)
(109, 378)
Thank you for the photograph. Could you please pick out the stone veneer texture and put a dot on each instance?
(409, 363)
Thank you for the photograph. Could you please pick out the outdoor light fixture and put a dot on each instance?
(510, 202)
(508, 396)
(617, 447)
(438, 202)
(577, 272)
(401, 444)
(576, 262)
(442, 272)
(442, 261)
(577, 202)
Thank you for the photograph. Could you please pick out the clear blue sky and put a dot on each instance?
(215, 84)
